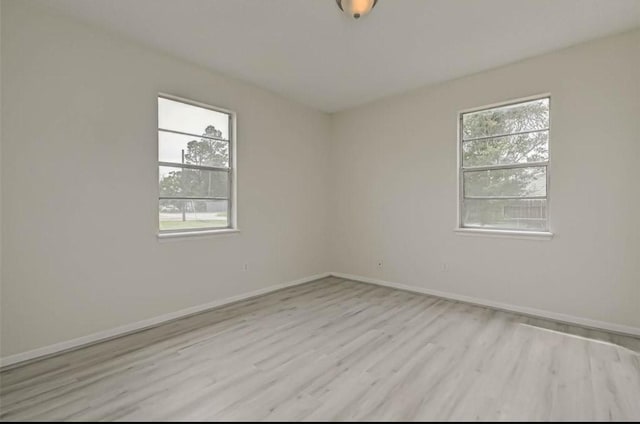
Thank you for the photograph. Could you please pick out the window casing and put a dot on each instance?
(504, 167)
(196, 167)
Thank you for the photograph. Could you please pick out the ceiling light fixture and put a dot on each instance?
(356, 8)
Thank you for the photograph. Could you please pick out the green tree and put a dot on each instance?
(487, 144)
(530, 147)
(210, 150)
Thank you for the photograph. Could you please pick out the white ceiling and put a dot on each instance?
(308, 51)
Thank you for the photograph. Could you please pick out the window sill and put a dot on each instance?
(529, 235)
(186, 234)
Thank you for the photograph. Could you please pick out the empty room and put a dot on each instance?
(320, 210)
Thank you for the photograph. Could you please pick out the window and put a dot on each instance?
(504, 161)
(195, 163)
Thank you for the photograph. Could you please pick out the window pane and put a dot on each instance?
(530, 147)
(521, 182)
(184, 182)
(177, 116)
(193, 214)
(195, 151)
(513, 214)
(528, 116)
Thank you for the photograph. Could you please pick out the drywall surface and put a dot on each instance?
(1, 240)
(317, 193)
(394, 173)
(80, 185)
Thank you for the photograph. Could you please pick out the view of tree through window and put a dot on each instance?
(504, 164)
(194, 152)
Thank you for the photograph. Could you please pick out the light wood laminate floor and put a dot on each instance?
(338, 350)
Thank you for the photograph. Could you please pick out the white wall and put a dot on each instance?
(394, 185)
(316, 193)
(80, 185)
(1, 239)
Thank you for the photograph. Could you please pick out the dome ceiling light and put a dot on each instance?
(356, 8)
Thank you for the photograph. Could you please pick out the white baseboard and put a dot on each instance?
(142, 325)
(101, 336)
(538, 313)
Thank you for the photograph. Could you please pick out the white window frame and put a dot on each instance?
(466, 230)
(232, 211)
